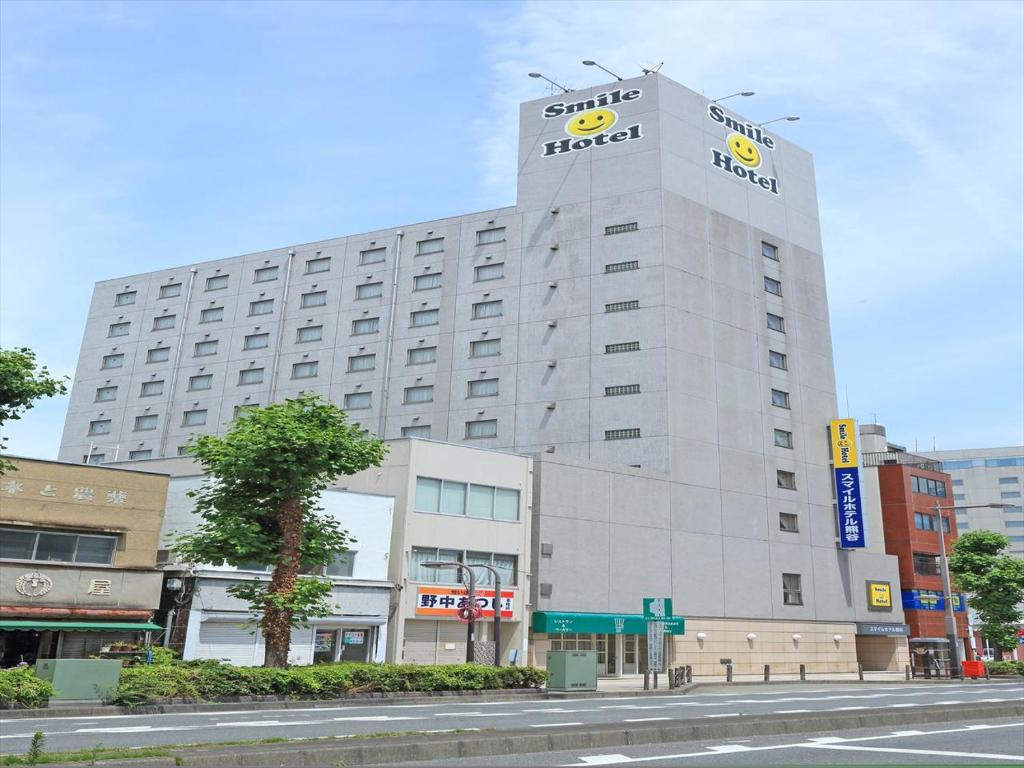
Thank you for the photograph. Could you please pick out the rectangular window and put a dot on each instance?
(483, 428)
(924, 522)
(773, 286)
(261, 307)
(434, 245)
(423, 394)
(961, 482)
(435, 575)
(488, 272)
(119, 329)
(94, 458)
(305, 370)
(313, 299)
(370, 291)
(113, 361)
(776, 323)
(791, 592)
(925, 564)
(484, 309)
(1009, 495)
(211, 315)
(622, 434)
(342, 565)
(418, 430)
(238, 410)
(617, 229)
(217, 282)
(448, 497)
(626, 346)
(362, 362)
(784, 479)
(372, 256)
(777, 360)
(423, 317)
(622, 389)
(780, 399)
(1010, 524)
(769, 251)
(621, 266)
(203, 381)
(783, 438)
(140, 454)
(931, 487)
(152, 388)
(422, 355)
(57, 546)
(106, 394)
(196, 418)
(183, 450)
(788, 522)
(250, 376)
(426, 282)
(483, 388)
(163, 322)
(622, 306)
(485, 348)
(355, 401)
(99, 427)
(170, 291)
(256, 341)
(265, 275)
(365, 325)
(125, 298)
(309, 333)
(145, 423)
(205, 348)
(314, 266)
(1002, 481)
(493, 235)
(158, 355)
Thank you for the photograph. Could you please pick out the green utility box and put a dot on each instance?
(572, 670)
(80, 679)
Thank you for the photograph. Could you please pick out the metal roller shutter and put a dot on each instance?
(229, 641)
(420, 642)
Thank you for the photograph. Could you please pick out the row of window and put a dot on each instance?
(505, 565)
(926, 522)
(928, 486)
(448, 497)
(57, 546)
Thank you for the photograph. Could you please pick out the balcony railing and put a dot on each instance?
(901, 457)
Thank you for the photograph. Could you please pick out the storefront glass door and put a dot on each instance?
(324, 643)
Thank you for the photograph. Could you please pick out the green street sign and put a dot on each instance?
(657, 608)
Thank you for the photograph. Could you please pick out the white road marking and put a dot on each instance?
(910, 733)
(826, 739)
(493, 714)
(896, 751)
(725, 714)
(558, 711)
(645, 719)
(262, 723)
(604, 759)
(374, 719)
(789, 711)
(844, 709)
(552, 725)
(726, 748)
(452, 730)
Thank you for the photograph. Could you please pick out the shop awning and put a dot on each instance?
(79, 626)
(600, 623)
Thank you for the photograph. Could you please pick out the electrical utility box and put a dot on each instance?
(572, 670)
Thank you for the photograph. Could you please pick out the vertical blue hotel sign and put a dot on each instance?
(849, 505)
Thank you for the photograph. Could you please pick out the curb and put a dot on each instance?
(411, 749)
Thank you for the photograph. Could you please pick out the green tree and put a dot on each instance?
(994, 582)
(258, 504)
(21, 384)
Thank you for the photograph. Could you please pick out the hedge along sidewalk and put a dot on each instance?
(415, 747)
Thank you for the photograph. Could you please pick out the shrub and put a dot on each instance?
(1005, 667)
(19, 687)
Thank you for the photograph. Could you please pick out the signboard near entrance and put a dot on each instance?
(446, 601)
(657, 608)
(655, 646)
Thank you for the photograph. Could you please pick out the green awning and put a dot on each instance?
(80, 626)
(601, 623)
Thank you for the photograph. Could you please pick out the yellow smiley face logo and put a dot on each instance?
(590, 123)
(743, 149)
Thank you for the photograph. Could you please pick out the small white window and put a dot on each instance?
(309, 333)
(170, 291)
(140, 454)
(206, 348)
(485, 348)
(200, 382)
(265, 274)
(362, 362)
(423, 317)
(217, 282)
(211, 315)
(773, 286)
(484, 309)
(373, 256)
(493, 235)
(489, 272)
(125, 298)
(256, 341)
(780, 399)
(426, 282)
(370, 291)
(785, 479)
(423, 394)
(422, 355)
(418, 430)
(106, 394)
(158, 355)
(314, 299)
(788, 522)
(483, 388)
(261, 307)
(240, 409)
(163, 322)
(791, 591)
(146, 422)
(119, 329)
(250, 376)
(777, 360)
(783, 438)
(99, 427)
(434, 245)
(313, 266)
(152, 388)
(483, 428)
(355, 401)
(305, 370)
(112, 361)
(769, 251)
(194, 418)
(776, 323)
(365, 325)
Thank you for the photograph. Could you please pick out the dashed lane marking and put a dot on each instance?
(645, 719)
(552, 725)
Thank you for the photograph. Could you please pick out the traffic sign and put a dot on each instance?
(657, 608)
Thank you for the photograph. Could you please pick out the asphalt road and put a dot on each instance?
(987, 742)
(65, 733)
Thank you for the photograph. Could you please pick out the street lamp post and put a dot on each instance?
(497, 610)
(470, 600)
(947, 588)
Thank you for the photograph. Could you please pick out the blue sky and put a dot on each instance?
(136, 136)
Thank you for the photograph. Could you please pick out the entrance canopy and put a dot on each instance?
(80, 626)
(557, 622)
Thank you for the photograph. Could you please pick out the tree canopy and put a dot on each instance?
(22, 382)
(994, 582)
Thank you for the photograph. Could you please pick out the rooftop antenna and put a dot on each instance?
(556, 85)
(651, 69)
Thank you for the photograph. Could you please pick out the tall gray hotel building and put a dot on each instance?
(649, 321)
